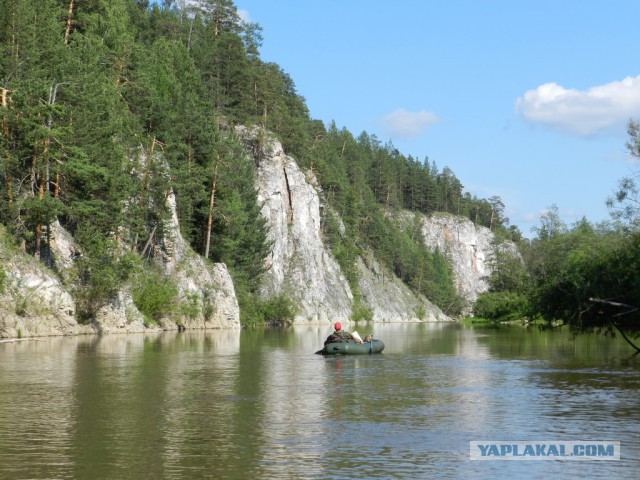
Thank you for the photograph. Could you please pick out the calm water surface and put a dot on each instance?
(260, 404)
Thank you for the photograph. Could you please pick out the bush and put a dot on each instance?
(500, 306)
(279, 309)
(190, 307)
(361, 312)
(101, 275)
(3, 279)
(274, 311)
(154, 294)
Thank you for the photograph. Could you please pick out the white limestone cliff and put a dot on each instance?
(207, 287)
(470, 248)
(33, 301)
(36, 301)
(300, 265)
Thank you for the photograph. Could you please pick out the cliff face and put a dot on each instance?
(206, 287)
(300, 265)
(389, 299)
(206, 296)
(35, 302)
(469, 247)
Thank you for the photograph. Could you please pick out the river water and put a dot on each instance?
(260, 404)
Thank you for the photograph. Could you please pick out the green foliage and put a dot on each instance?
(154, 294)
(508, 286)
(574, 266)
(22, 306)
(240, 231)
(278, 310)
(500, 306)
(509, 272)
(342, 247)
(3, 279)
(360, 312)
(362, 171)
(101, 275)
(190, 307)
(624, 205)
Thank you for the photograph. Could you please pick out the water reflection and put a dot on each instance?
(260, 404)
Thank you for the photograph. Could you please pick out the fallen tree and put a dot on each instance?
(629, 310)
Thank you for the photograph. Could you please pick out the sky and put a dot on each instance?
(527, 100)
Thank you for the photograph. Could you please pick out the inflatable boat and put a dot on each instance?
(349, 348)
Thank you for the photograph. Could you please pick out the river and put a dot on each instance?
(259, 404)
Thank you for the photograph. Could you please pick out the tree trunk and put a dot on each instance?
(630, 308)
(212, 198)
(67, 30)
(146, 174)
(35, 187)
(41, 185)
(43, 177)
(4, 105)
(149, 240)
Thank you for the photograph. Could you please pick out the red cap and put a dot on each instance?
(337, 326)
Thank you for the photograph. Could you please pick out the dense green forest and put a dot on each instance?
(105, 105)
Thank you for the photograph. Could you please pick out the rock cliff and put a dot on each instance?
(300, 265)
(469, 247)
(35, 301)
(206, 287)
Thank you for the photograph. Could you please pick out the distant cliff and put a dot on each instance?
(300, 265)
(469, 247)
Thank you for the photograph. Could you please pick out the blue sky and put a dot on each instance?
(527, 100)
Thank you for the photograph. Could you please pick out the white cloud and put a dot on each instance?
(631, 160)
(244, 15)
(407, 125)
(582, 112)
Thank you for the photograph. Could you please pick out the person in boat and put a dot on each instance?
(340, 336)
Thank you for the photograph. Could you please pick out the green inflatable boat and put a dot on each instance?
(347, 348)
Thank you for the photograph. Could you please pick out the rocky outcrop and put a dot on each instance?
(300, 265)
(64, 250)
(389, 299)
(120, 315)
(471, 249)
(205, 290)
(33, 301)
